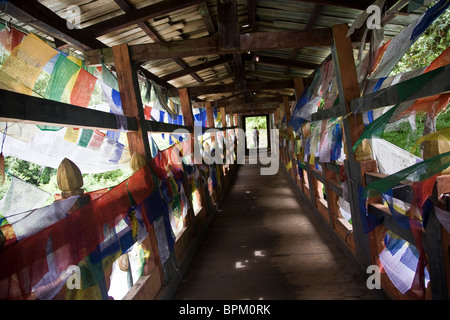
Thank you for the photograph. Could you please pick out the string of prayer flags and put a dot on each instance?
(72, 238)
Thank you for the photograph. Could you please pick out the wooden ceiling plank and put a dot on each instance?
(139, 15)
(351, 4)
(285, 62)
(197, 68)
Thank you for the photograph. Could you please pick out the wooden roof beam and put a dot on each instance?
(251, 86)
(209, 45)
(35, 14)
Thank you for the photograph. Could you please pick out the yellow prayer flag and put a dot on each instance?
(441, 135)
(75, 60)
(22, 68)
(289, 165)
(72, 134)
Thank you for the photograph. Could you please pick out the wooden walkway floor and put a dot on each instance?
(266, 243)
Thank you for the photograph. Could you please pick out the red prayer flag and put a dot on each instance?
(83, 88)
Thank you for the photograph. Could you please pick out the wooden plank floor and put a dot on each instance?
(266, 243)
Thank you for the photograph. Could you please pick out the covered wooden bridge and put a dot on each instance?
(319, 208)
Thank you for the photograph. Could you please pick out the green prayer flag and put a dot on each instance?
(63, 71)
(86, 135)
(109, 79)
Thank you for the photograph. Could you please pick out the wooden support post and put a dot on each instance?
(232, 123)
(347, 84)
(209, 114)
(188, 117)
(131, 100)
(186, 108)
(223, 117)
(210, 117)
(132, 107)
(299, 87)
(287, 109)
(432, 242)
(342, 52)
(276, 115)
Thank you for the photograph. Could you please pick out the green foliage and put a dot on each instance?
(29, 172)
(45, 177)
(108, 179)
(434, 41)
(258, 122)
(428, 47)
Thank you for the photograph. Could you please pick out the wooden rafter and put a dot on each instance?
(202, 66)
(128, 8)
(309, 25)
(251, 7)
(45, 20)
(226, 88)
